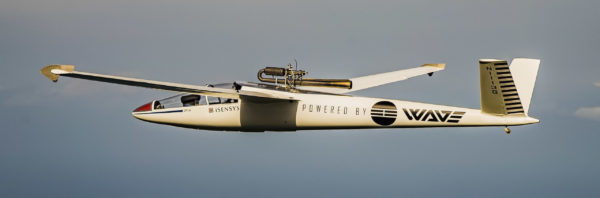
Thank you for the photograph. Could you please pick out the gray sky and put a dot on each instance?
(78, 139)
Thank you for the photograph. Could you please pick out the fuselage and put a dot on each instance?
(321, 111)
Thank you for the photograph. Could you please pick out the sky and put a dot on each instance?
(77, 139)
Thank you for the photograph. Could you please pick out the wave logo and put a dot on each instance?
(433, 115)
(384, 113)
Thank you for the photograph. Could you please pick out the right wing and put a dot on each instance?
(52, 72)
(374, 80)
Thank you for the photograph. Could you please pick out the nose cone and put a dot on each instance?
(144, 108)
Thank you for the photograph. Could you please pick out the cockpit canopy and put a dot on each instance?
(186, 100)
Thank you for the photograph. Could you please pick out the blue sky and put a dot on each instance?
(78, 139)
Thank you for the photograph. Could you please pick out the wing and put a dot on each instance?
(374, 80)
(52, 72)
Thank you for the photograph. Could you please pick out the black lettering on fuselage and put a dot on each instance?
(417, 113)
(443, 116)
(342, 110)
(407, 114)
(226, 109)
(433, 115)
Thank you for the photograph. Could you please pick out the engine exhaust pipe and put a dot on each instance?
(294, 78)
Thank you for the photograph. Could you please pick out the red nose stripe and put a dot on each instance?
(146, 107)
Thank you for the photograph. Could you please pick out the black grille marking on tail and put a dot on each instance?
(512, 102)
(512, 108)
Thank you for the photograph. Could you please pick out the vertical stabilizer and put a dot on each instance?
(507, 90)
(498, 91)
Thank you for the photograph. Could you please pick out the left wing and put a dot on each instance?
(374, 80)
(52, 72)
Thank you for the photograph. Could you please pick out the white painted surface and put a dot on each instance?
(524, 72)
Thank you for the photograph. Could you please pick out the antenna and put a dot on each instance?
(296, 63)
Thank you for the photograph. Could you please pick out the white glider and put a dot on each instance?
(288, 102)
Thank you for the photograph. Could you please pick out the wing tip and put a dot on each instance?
(438, 65)
(51, 73)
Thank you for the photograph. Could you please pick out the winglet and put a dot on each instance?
(52, 71)
(438, 65)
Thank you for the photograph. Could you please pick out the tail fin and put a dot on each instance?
(524, 73)
(507, 90)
